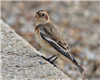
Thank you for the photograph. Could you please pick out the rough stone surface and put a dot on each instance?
(21, 61)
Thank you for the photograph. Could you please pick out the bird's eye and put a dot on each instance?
(42, 14)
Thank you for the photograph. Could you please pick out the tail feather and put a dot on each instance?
(81, 69)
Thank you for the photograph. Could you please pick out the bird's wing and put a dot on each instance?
(53, 42)
(52, 32)
(59, 48)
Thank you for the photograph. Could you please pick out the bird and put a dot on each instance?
(51, 41)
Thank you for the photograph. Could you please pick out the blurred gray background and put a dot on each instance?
(77, 21)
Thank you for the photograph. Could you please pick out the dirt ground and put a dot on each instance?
(77, 22)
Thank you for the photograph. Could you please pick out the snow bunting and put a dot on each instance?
(51, 41)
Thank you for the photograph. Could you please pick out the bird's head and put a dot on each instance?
(42, 17)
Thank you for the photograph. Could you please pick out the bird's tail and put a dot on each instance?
(81, 69)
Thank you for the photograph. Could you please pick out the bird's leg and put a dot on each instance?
(52, 62)
(49, 59)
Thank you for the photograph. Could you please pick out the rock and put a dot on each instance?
(21, 61)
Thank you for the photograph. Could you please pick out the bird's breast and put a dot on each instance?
(45, 45)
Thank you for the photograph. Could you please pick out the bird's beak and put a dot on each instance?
(36, 16)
